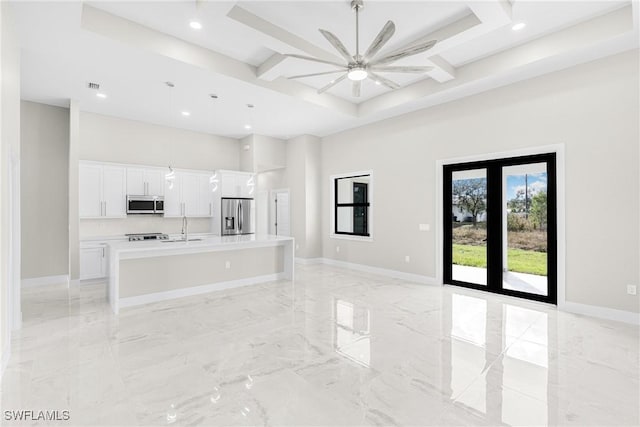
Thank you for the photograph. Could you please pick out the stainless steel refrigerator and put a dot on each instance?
(238, 216)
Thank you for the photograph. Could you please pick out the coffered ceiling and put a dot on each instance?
(132, 48)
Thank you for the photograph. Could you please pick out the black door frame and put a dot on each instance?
(494, 225)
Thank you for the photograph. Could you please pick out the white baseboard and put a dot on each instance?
(601, 312)
(45, 281)
(309, 261)
(6, 354)
(197, 290)
(410, 277)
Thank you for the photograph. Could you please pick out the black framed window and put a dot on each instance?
(352, 207)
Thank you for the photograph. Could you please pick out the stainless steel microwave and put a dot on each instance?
(145, 205)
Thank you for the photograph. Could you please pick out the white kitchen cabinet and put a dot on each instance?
(90, 190)
(190, 190)
(114, 191)
(205, 195)
(189, 196)
(173, 196)
(102, 191)
(145, 182)
(236, 184)
(93, 262)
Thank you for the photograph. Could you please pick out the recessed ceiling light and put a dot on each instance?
(518, 26)
(247, 126)
(195, 25)
(378, 82)
(101, 95)
(186, 113)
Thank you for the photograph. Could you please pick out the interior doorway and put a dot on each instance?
(279, 218)
(500, 226)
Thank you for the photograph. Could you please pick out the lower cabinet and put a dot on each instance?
(93, 262)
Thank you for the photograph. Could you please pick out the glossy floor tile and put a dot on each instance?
(336, 347)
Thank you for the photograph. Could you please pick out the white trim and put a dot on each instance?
(197, 290)
(410, 277)
(82, 282)
(45, 281)
(332, 214)
(559, 150)
(6, 355)
(309, 261)
(350, 237)
(602, 312)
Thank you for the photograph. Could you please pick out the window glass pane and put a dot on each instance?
(353, 189)
(353, 220)
(469, 226)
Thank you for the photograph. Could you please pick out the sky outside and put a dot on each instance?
(535, 182)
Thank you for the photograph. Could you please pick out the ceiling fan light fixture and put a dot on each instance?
(357, 74)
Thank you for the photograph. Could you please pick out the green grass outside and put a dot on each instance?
(520, 261)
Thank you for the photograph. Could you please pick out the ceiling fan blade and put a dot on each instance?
(388, 83)
(355, 89)
(310, 58)
(405, 52)
(401, 69)
(381, 39)
(332, 83)
(335, 42)
(316, 74)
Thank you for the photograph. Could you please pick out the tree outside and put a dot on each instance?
(471, 196)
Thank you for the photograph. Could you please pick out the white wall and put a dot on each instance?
(9, 155)
(593, 109)
(44, 139)
(111, 139)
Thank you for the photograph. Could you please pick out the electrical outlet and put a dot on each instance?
(424, 227)
(407, 259)
(227, 265)
(337, 248)
(632, 289)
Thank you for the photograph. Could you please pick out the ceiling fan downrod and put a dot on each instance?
(357, 5)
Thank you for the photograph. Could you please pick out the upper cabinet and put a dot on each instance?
(104, 188)
(145, 181)
(189, 194)
(102, 191)
(236, 184)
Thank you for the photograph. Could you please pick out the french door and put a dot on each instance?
(500, 226)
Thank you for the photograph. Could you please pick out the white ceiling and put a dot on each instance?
(65, 45)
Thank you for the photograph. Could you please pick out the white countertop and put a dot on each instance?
(148, 248)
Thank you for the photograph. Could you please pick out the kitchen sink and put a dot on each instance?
(180, 240)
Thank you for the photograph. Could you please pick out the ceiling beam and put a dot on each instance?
(139, 36)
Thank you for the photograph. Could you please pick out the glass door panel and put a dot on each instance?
(524, 228)
(469, 226)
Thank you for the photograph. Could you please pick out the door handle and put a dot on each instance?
(105, 208)
(240, 217)
(210, 210)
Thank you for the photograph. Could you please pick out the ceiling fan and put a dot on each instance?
(360, 67)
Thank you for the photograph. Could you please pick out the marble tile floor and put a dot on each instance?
(336, 347)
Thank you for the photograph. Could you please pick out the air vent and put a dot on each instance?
(94, 86)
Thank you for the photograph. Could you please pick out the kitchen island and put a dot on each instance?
(150, 271)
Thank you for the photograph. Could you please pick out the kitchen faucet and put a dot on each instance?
(185, 226)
